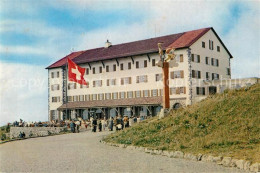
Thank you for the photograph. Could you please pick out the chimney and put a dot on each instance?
(108, 44)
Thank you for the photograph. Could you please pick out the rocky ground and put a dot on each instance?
(83, 152)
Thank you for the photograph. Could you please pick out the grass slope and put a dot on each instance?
(225, 124)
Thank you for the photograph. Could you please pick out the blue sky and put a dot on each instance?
(34, 34)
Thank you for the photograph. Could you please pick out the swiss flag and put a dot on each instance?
(76, 73)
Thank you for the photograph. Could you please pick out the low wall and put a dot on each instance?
(34, 131)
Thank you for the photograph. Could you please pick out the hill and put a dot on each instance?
(225, 124)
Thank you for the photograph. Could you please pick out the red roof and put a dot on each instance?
(180, 40)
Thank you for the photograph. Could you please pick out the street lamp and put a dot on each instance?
(164, 64)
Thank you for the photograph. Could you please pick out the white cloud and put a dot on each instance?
(23, 93)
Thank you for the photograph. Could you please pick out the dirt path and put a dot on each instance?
(84, 153)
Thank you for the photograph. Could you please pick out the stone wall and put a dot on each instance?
(34, 131)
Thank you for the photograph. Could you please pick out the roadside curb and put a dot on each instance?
(220, 160)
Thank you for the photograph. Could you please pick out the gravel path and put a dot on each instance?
(83, 152)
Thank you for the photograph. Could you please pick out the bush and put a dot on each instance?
(3, 137)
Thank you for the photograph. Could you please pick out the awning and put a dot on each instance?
(142, 101)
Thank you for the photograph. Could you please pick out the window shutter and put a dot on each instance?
(212, 46)
(114, 67)
(122, 81)
(58, 87)
(58, 74)
(218, 76)
(130, 80)
(146, 78)
(182, 74)
(172, 75)
(178, 90)
(199, 74)
(198, 58)
(100, 69)
(100, 82)
(212, 76)
(52, 75)
(137, 64)
(94, 83)
(184, 90)
(193, 73)
(212, 61)
(52, 87)
(153, 62)
(217, 62)
(192, 57)
(137, 79)
(75, 85)
(129, 65)
(181, 57)
(121, 66)
(107, 82)
(209, 44)
(145, 63)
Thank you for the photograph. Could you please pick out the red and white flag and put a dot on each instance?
(76, 73)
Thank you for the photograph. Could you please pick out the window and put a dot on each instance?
(97, 83)
(207, 60)
(94, 96)
(228, 71)
(114, 67)
(111, 82)
(130, 94)
(87, 71)
(87, 97)
(129, 66)
(137, 64)
(55, 74)
(69, 98)
(100, 69)
(115, 95)
(203, 44)
(158, 77)
(179, 58)
(214, 62)
(137, 94)
(93, 70)
(196, 74)
(125, 80)
(107, 68)
(55, 99)
(195, 58)
(81, 98)
(75, 98)
(154, 92)
(146, 93)
(153, 62)
(200, 90)
(215, 76)
(122, 66)
(207, 75)
(100, 96)
(141, 79)
(177, 74)
(72, 86)
(84, 86)
(55, 87)
(108, 96)
(122, 95)
(218, 48)
(161, 92)
(211, 45)
(178, 90)
(145, 63)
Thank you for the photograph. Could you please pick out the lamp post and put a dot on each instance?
(164, 64)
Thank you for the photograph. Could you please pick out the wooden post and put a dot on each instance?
(166, 97)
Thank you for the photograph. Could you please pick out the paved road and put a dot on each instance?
(84, 153)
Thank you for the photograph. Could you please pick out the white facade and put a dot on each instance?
(183, 83)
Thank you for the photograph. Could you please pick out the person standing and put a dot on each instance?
(72, 127)
(111, 124)
(99, 125)
(94, 124)
(104, 124)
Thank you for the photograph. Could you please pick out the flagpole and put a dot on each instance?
(67, 89)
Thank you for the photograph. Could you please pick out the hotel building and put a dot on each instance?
(123, 79)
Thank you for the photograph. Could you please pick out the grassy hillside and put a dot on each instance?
(225, 124)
